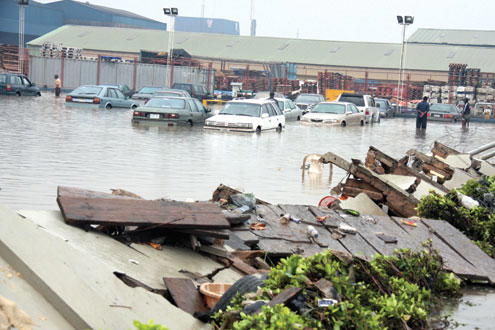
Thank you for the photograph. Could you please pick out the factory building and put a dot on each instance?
(206, 25)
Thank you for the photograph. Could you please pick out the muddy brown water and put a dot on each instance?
(44, 144)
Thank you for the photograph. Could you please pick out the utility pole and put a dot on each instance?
(203, 5)
(253, 21)
(404, 21)
(172, 13)
(22, 12)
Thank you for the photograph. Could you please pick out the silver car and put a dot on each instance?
(290, 110)
(334, 113)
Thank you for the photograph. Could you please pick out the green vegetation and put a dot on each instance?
(148, 326)
(478, 223)
(391, 292)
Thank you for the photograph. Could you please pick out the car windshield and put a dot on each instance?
(148, 90)
(308, 99)
(185, 87)
(166, 103)
(443, 108)
(241, 109)
(87, 90)
(355, 99)
(280, 105)
(329, 108)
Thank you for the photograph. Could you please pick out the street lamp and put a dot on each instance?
(172, 13)
(22, 7)
(404, 21)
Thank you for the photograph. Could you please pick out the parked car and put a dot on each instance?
(364, 103)
(171, 93)
(289, 109)
(101, 96)
(335, 113)
(445, 112)
(196, 91)
(172, 110)
(251, 115)
(306, 101)
(124, 89)
(384, 107)
(17, 84)
(144, 94)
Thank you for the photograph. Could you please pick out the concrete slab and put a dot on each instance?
(424, 189)
(459, 178)
(487, 168)
(363, 204)
(14, 287)
(461, 161)
(73, 270)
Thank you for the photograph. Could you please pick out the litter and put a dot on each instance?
(386, 238)
(352, 212)
(311, 231)
(326, 302)
(411, 223)
(258, 226)
(347, 229)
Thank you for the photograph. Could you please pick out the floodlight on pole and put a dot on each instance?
(172, 13)
(404, 21)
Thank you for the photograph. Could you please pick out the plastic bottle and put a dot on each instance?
(312, 232)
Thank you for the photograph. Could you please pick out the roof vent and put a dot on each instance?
(131, 38)
(451, 55)
(181, 41)
(389, 52)
(83, 34)
(283, 46)
(335, 49)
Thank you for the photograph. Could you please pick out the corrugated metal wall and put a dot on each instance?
(80, 72)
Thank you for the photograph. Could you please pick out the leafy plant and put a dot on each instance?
(148, 326)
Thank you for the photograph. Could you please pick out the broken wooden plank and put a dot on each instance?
(221, 233)
(236, 243)
(441, 150)
(399, 201)
(185, 295)
(464, 246)
(247, 237)
(129, 212)
(285, 296)
(431, 164)
(63, 191)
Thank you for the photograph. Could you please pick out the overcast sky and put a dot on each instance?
(353, 20)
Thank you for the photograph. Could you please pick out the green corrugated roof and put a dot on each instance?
(484, 38)
(268, 49)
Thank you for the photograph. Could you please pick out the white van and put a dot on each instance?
(365, 104)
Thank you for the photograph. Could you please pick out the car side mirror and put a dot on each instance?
(348, 113)
(378, 105)
(207, 110)
(264, 115)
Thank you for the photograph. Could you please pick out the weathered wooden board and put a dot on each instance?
(128, 212)
(185, 294)
(63, 191)
(464, 246)
(284, 296)
(453, 261)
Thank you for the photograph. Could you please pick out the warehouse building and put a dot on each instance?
(426, 60)
(206, 25)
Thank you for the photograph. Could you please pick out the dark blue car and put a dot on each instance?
(17, 84)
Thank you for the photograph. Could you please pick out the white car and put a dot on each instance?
(252, 115)
(334, 113)
(365, 104)
(290, 109)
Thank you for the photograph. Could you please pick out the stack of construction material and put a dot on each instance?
(9, 58)
(71, 52)
(457, 74)
(472, 77)
(335, 80)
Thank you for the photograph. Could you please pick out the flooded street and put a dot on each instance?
(44, 145)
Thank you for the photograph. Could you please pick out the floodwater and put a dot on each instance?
(44, 145)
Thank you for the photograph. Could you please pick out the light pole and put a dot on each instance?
(172, 13)
(404, 21)
(22, 11)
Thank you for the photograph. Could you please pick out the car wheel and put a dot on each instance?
(258, 130)
(38, 94)
(379, 119)
(190, 123)
(298, 117)
(133, 106)
(249, 283)
(18, 93)
(108, 106)
(362, 123)
(279, 128)
(343, 124)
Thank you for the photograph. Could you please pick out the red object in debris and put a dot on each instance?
(327, 201)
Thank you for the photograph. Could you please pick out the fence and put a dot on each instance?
(74, 73)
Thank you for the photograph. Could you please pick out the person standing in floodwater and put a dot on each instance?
(58, 85)
(422, 110)
(466, 113)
